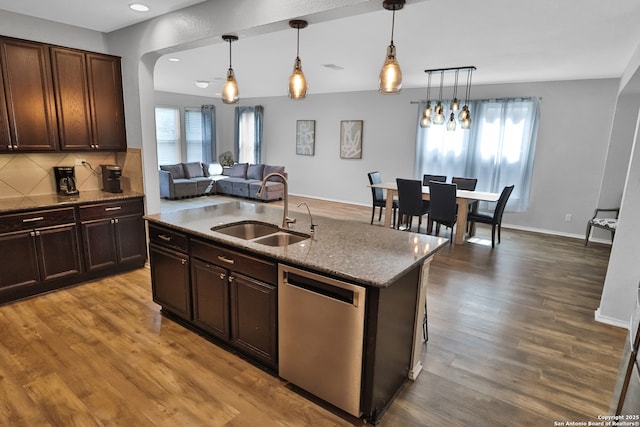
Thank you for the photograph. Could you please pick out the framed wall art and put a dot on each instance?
(305, 137)
(351, 139)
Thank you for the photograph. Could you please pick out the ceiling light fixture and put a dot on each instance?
(230, 93)
(297, 81)
(202, 84)
(139, 7)
(464, 117)
(391, 74)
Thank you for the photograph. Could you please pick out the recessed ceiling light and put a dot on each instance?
(174, 59)
(139, 7)
(202, 84)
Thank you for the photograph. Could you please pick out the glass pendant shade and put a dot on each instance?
(451, 124)
(230, 93)
(464, 113)
(297, 82)
(466, 123)
(455, 105)
(425, 122)
(438, 117)
(391, 74)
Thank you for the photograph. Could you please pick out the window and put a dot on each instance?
(168, 135)
(248, 144)
(498, 149)
(185, 140)
(193, 134)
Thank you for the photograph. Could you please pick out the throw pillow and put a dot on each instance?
(176, 171)
(213, 169)
(274, 169)
(193, 169)
(239, 170)
(255, 172)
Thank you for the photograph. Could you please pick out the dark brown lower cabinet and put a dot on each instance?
(170, 280)
(210, 288)
(40, 258)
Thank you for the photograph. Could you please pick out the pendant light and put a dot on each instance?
(438, 119)
(230, 94)
(297, 81)
(455, 104)
(391, 74)
(425, 122)
(465, 115)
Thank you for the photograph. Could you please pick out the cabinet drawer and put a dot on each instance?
(36, 219)
(257, 268)
(168, 238)
(111, 209)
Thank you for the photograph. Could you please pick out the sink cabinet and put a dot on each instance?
(40, 252)
(235, 298)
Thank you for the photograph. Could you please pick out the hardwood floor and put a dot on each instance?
(512, 341)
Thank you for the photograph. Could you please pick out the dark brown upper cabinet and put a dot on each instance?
(28, 97)
(89, 102)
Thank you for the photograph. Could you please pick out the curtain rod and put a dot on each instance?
(517, 98)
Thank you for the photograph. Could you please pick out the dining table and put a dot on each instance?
(463, 198)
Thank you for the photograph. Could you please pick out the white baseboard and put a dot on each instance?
(610, 320)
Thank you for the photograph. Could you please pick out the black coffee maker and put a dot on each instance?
(65, 180)
(111, 178)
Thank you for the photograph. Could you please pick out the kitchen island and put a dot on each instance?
(231, 289)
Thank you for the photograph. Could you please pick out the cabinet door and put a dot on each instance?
(5, 136)
(59, 254)
(72, 98)
(107, 107)
(99, 244)
(210, 289)
(253, 318)
(19, 266)
(130, 239)
(170, 280)
(28, 91)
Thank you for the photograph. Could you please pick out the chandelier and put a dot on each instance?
(436, 115)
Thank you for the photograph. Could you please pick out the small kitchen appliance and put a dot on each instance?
(111, 178)
(65, 180)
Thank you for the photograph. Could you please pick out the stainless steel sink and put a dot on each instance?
(283, 238)
(247, 230)
(261, 232)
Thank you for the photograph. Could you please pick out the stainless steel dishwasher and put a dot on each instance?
(321, 336)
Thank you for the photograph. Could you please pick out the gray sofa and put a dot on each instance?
(243, 180)
(196, 179)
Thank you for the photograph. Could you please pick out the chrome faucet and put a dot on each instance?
(285, 215)
(313, 226)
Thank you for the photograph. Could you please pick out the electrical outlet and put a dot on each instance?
(567, 217)
(80, 162)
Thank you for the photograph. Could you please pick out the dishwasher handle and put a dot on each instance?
(334, 289)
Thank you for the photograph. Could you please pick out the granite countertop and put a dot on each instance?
(350, 250)
(17, 204)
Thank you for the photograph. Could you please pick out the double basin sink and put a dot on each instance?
(262, 233)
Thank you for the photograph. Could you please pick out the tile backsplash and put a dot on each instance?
(31, 174)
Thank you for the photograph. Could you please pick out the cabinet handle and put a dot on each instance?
(32, 234)
(183, 261)
(222, 276)
(10, 147)
(225, 259)
(116, 220)
(38, 218)
(231, 279)
(163, 237)
(114, 208)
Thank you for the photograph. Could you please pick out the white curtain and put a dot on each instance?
(498, 150)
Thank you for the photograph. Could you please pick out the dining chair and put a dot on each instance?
(465, 183)
(494, 219)
(410, 201)
(426, 178)
(443, 209)
(609, 222)
(378, 199)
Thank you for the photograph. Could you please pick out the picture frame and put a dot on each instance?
(351, 139)
(305, 137)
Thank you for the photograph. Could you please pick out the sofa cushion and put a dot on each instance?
(193, 169)
(176, 171)
(255, 172)
(273, 169)
(239, 170)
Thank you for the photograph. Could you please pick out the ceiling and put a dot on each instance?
(508, 41)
